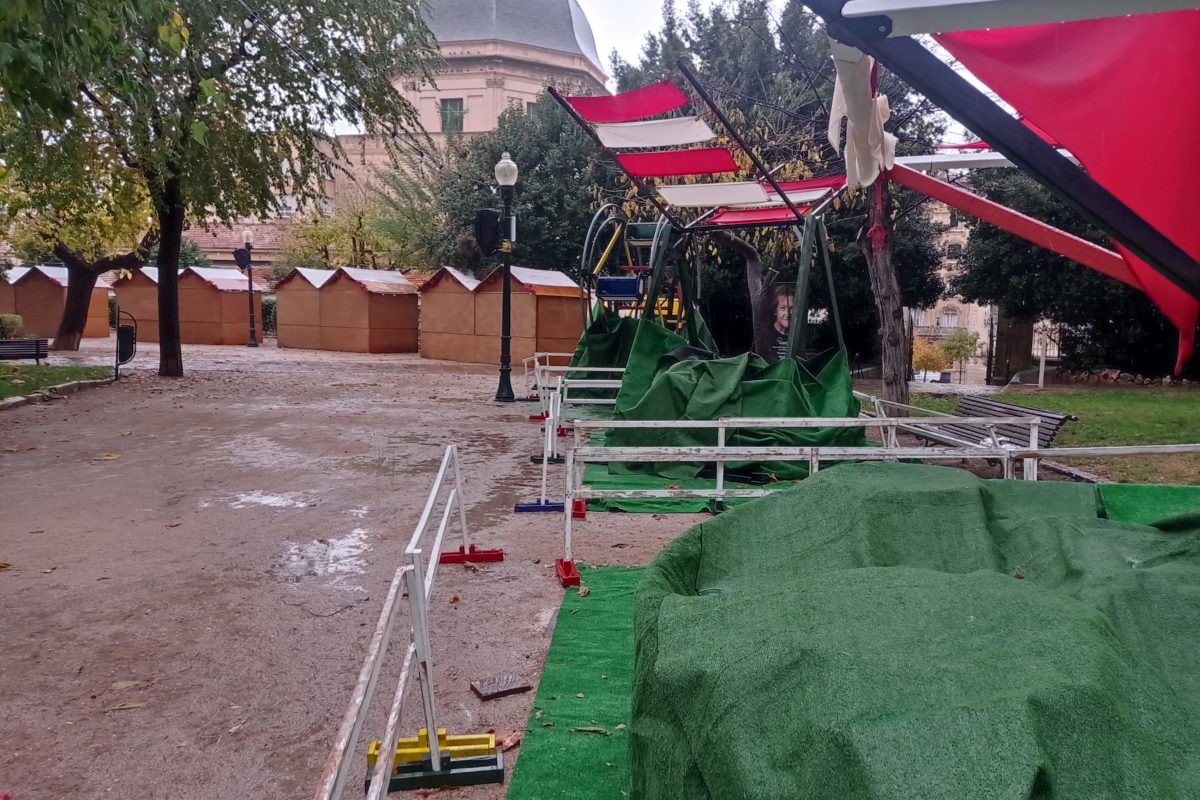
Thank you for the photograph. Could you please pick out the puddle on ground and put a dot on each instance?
(285, 500)
(338, 556)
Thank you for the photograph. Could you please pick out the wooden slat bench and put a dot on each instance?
(1050, 423)
(18, 349)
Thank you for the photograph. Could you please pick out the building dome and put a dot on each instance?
(558, 25)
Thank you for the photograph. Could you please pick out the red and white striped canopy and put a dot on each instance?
(648, 145)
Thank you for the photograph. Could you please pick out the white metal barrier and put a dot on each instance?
(557, 377)
(414, 578)
(531, 365)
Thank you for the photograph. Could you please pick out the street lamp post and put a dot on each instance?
(506, 176)
(248, 240)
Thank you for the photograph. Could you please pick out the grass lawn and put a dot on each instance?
(1113, 416)
(20, 378)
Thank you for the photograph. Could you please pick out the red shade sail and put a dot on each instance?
(755, 216)
(828, 182)
(665, 163)
(1074, 248)
(648, 101)
(1121, 95)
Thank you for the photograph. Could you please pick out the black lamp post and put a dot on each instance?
(248, 240)
(506, 176)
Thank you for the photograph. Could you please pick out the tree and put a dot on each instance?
(220, 109)
(562, 178)
(1103, 323)
(960, 345)
(82, 209)
(190, 255)
(928, 356)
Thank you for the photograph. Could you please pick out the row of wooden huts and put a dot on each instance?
(38, 295)
(451, 316)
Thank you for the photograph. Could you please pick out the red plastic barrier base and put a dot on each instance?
(579, 509)
(537, 417)
(564, 431)
(474, 556)
(568, 575)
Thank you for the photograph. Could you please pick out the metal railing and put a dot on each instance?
(414, 578)
(720, 454)
(531, 365)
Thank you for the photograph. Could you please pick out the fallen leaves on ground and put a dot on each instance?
(4, 565)
(107, 457)
(127, 705)
(579, 695)
(206, 427)
(453, 599)
(672, 486)
(508, 741)
(13, 448)
(592, 729)
(584, 591)
(469, 567)
(122, 685)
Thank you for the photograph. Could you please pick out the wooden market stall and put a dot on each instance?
(40, 294)
(213, 307)
(8, 297)
(448, 316)
(546, 314)
(298, 308)
(368, 311)
(137, 294)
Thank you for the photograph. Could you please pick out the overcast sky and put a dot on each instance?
(623, 24)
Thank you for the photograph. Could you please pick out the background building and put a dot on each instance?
(498, 54)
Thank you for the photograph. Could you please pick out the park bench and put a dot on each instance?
(17, 349)
(1050, 423)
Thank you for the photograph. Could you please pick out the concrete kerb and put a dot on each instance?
(51, 393)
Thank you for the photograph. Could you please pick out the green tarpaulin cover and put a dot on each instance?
(900, 631)
(658, 384)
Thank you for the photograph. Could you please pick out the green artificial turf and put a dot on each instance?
(591, 654)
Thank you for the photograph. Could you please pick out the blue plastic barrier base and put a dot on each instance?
(537, 505)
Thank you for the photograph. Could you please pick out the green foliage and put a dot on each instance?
(269, 319)
(212, 111)
(960, 345)
(928, 356)
(1104, 322)
(190, 255)
(10, 325)
(561, 178)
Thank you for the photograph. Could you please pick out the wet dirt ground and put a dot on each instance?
(194, 567)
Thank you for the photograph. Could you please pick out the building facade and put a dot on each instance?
(497, 54)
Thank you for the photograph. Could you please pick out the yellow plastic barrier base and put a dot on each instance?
(416, 749)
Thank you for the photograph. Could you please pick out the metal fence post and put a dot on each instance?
(420, 624)
(568, 504)
(1029, 470)
(460, 498)
(721, 464)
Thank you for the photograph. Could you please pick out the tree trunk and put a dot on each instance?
(81, 280)
(170, 226)
(878, 246)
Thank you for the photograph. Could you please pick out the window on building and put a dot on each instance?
(452, 112)
(954, 250)
(949, 318)
(954, 218)
(529, 107)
